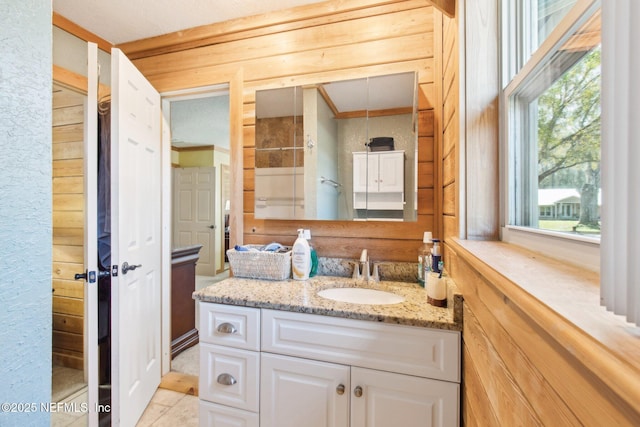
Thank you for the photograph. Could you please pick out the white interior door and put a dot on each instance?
(194, 214)
(136, 240)
(91, 234)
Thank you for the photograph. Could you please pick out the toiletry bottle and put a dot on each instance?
(424, 257)
(300, 257)
(436, 257)
(436, 289)
(314, 256)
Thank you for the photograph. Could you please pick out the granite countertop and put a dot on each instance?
(300, 296)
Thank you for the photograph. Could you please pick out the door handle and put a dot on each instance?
(126, 267)
(90, 276)
(212, 227)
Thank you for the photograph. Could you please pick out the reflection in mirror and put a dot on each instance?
(344, 150)
(279, 172)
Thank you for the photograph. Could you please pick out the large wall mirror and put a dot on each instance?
(344, 150)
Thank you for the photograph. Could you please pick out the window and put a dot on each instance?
(552, 119)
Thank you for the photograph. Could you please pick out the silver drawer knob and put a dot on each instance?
(357, 391)
(226, 379)
(227, 328)
(340, 389)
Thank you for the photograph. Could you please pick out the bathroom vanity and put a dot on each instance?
(278, 354)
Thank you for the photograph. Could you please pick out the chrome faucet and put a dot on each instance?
(364, 262)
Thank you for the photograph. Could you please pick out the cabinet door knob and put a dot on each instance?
(226, 379)
(357, 391)
(227, 328)
(340, 389)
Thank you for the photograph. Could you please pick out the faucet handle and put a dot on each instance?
(356, 270)
(376, 272)
(376, 269)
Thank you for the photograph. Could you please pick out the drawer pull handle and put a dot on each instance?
(340, 389)
(226, 379)
(227, 328)
(357, 391)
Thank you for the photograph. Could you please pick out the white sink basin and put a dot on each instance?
(361, 296)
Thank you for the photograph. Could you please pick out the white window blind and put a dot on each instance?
(620, 243)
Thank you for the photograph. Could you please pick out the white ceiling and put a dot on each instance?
(120, 21)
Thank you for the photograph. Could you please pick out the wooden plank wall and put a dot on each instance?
(68, 227)
(450, 147)
(518, 368)
(315, 43)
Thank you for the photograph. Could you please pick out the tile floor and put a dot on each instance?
(167, 408)
(170, 408)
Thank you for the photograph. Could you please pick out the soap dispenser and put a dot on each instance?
(300, 257)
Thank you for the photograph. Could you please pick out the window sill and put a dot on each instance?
(564, 300)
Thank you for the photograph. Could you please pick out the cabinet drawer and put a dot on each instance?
(424, 352)
(229, 376)
(237, 327)
(213, 415)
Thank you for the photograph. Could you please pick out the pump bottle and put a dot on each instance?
(424, 257)
(300, 257)
(436, 257)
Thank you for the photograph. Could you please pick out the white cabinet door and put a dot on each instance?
(299, 392)
(378, 172)
(391, 172)
(384, 399)
(363, 176)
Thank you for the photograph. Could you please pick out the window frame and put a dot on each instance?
(583, 251)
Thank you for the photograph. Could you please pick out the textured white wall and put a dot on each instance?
(25, 209)
(201, 121)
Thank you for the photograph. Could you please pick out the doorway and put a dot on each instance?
(199, 122)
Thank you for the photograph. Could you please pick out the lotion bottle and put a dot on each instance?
(300, 257)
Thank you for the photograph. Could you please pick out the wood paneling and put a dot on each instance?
(68, 225)
(323, 42)
(253, 27)
(524, 358)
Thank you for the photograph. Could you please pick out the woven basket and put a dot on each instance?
(260, 265)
